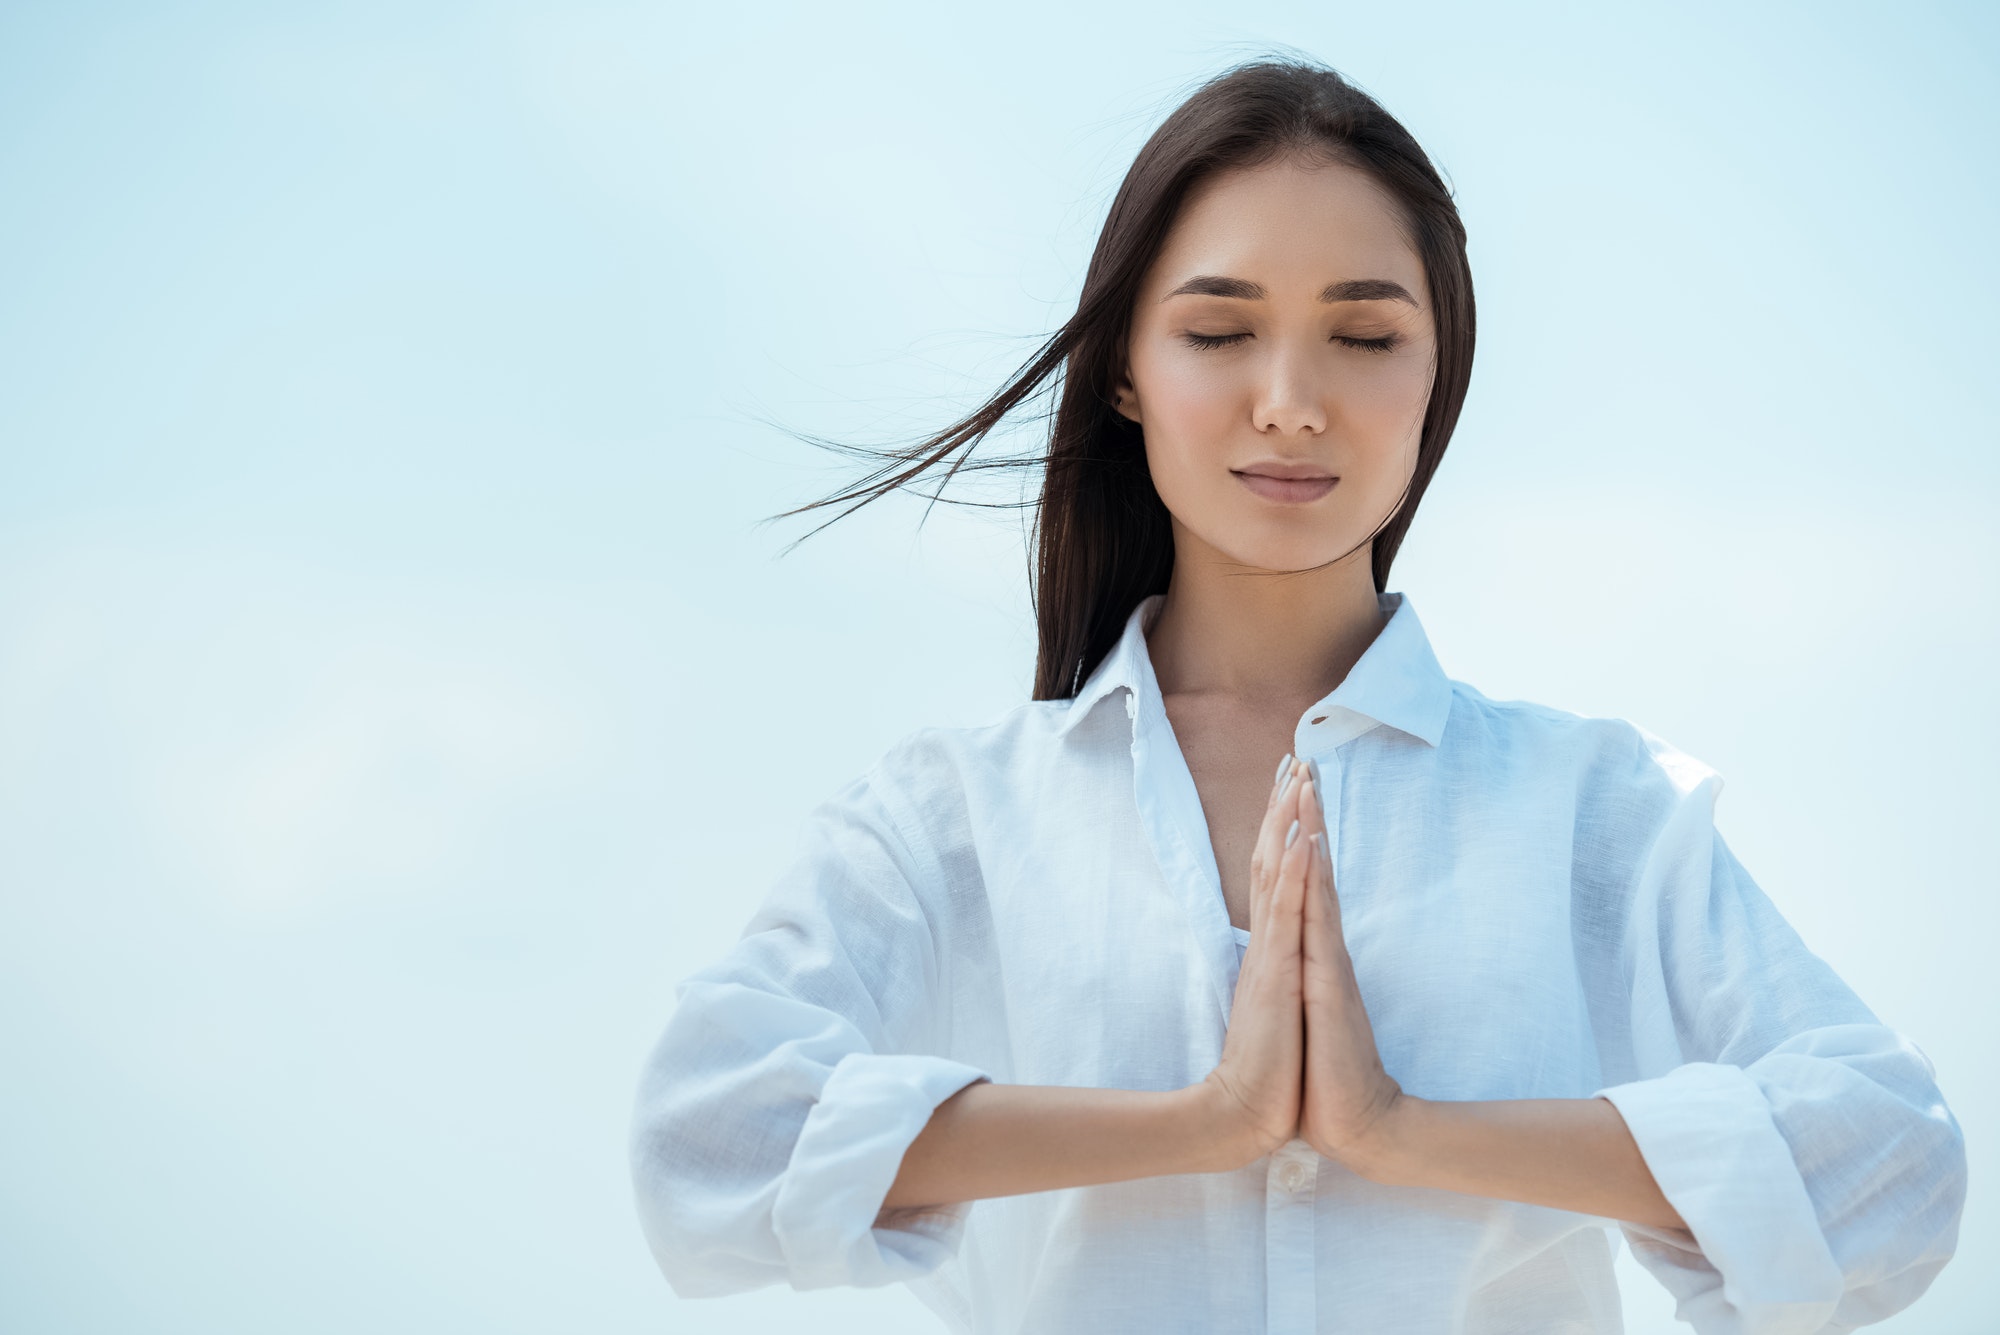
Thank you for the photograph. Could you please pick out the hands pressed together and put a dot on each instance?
(1299, 1059)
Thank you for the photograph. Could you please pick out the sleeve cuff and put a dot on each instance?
(1706, 1132)
(828, 1213)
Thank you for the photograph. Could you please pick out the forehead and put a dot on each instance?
(1290, 225)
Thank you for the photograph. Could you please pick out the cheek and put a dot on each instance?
(1191, 417)
(1192, 406)
(1187, 398)
(1393, 395)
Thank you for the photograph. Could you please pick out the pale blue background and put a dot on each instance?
(398, 694)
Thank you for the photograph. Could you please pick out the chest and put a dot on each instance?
(1107, 950)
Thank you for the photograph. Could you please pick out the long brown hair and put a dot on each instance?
(1102, 534)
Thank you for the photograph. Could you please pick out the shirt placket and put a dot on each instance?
(1291, 1188)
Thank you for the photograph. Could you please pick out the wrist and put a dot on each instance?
(1221, 1137)
(1391, 1146)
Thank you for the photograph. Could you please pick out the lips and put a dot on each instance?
(1287, 472)
(1288, 490)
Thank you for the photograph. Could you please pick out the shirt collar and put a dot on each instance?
(1396, 680)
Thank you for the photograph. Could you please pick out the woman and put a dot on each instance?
(1083, 1021)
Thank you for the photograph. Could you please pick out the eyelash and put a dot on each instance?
(1386, 344)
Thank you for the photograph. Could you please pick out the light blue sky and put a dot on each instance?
(398, 692)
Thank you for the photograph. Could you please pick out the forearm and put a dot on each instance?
(1006, 1140)
(1569, 1154)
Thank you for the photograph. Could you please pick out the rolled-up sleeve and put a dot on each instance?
(1806, 1144)
(774, 1111)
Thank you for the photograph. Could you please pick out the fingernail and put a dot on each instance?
(1313, 765)
(1291, 834)
(1283, 765)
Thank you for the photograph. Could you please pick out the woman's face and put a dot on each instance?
(1284, 331)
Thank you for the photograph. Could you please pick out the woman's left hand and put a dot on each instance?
(1349, 1099)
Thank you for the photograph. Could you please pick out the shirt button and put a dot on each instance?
(1294, 1176)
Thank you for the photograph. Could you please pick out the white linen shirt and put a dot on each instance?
(1538, 905)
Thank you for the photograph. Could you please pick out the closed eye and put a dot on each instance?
(1386, 343)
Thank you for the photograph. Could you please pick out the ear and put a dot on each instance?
(1125, 398)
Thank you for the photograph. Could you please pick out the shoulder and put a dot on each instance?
(925, 759)
(1609, 758)
(932, 777)
(1624, 793)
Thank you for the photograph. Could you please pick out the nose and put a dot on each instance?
(1290, 400)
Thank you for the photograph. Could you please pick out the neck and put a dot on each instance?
(1270, 639)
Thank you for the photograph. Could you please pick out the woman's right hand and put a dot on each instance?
(1255, 1089)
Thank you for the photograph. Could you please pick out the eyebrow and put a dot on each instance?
(1354, 289)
